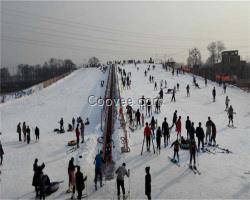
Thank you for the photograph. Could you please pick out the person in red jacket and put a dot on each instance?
(77, 136)
(147, 134)
(178, 127)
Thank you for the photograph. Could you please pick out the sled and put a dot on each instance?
(72, 143)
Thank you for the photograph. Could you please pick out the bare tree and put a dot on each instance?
(194, 57)
(93, 61)
(215, 49)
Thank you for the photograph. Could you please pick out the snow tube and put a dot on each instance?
(72, 143)
(184, 146)
(52, 187)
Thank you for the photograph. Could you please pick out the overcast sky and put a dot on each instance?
(32, 32)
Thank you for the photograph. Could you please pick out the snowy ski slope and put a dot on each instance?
(222, 175)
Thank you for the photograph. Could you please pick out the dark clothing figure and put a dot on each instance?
(37, 133)
(192, 150)
(98, 168)
(138, 118)
(173, 95)
(165, 131)
(152, 124)
(191, 132)
(158, 139)
(19, 131)
(121, 172)
(214, 94)
(176, 149)
(80, 182)
(38, 171)
(188, 88)
(174, 118)
(148, 183)
(24, 132)
(200, 136)
(61, 125)
(188, 126)
(1, 153)
(28, 134)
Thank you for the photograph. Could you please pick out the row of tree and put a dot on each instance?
(28, 75)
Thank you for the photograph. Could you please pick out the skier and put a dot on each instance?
(28, 134)
(71, 173)
(82, 126)
(200, 136)
(174, 118)
(79, 182)
(178, 127)
(142, 119)
(19, 131)
(227, 102)
(73, 122)
(230, 115)
(138, 118)
(121, 172)
(176, 145)
(157, 106)
(173, 95)
(188, 126)
(213, 137)
(24, 132)
(152, 125)
(77, 136)
(158, 138)
(165, 131)
(142, 102)
(192, 150)
(209, 130)
(187, 88)
(61, 125)
(147, 134)
(1, 153)
(37, 133)
(214, 94)
(148, 183)
(98, 168)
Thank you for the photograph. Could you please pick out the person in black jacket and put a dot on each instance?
(80, 182)
(191, 132)
(38, 171)
(37, 133)
(19, 131)
(200, 135)
(148, 183)
(158, 139)
(214, 94)
(138, 118)
(28, 134)
(174, 118)
(188, 126)
(165, 131)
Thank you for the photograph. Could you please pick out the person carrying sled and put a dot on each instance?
(176, 145)
(158, 138)
(165, 131)
(148, 183)
(200, 136)
(19, 131)
(121, 172)
(147, 134)
(80, 186)
(230, 115)
(192, 151)
(98, 168)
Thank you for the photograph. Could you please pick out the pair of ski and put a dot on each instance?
(143, 144)
(194, 170)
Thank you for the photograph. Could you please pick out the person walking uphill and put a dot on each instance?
(98, 168)
(19, 131)
(121, 172)
(148, 183)
(80, 182)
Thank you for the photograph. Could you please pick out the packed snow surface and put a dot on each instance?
(223, 176)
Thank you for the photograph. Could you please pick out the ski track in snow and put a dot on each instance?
(222, 175)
